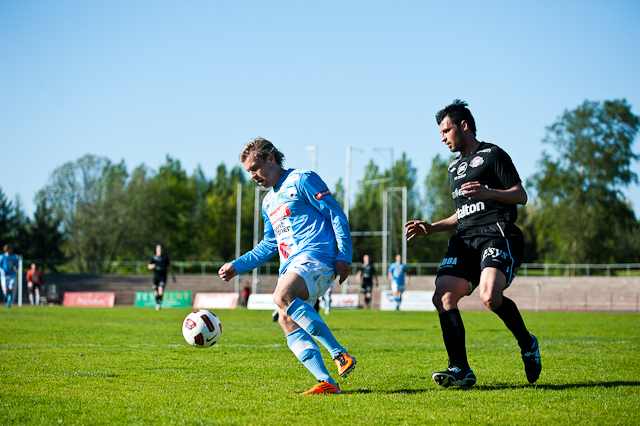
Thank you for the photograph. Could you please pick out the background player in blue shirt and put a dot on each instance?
(8, 269)
(397, 275)
(305, 225)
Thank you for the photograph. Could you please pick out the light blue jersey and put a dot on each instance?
(7, 263)
(301, 218)
(398, 272)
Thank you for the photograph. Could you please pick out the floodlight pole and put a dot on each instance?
(404, 220)
(385, 237)
(238, 230)
(390, 201)
(255, 274)
(313, 149)
(19, 280)
(347, 187)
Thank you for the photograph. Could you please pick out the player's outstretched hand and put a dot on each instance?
(417, 228)
(343, 269)
(227, 271)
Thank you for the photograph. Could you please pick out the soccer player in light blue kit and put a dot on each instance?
(397, 275)
(304, 223)
(8, 269)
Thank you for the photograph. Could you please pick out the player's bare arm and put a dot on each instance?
(514, 195)
(343, 269)
(417, 228)
(151, 266)
(227, 271)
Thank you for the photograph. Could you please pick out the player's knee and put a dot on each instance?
(491, 300)
(281, 300)
(437, 300)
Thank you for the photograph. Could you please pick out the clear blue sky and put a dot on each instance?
(137, 80)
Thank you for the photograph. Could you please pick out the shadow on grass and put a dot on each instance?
(389, 392)
(497, 387)
(546, 386)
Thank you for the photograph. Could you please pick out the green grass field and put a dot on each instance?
(89, 366)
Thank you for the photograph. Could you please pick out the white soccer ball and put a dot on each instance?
(201, 328)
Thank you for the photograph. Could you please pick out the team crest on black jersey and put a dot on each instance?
(477, 161)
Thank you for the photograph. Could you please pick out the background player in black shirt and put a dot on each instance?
(160, 264)
(367, 277)
(487, 250)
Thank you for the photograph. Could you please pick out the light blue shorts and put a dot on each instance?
(318, 276)
(7, 283)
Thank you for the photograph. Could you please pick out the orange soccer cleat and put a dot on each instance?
(322, 387)
(345, 363)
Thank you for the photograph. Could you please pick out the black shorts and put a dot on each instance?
(366, 286)
(492, 246)
(159, 282)
(32, 287)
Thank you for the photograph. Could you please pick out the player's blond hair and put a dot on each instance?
(261, 148)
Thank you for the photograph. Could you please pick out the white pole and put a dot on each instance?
(238, 230)
(385, 202)
(314, 157)
(256, 230)
(19, 280)
(404, 220)
(391, 228)
(347, 183)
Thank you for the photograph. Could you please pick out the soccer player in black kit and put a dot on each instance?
(487, 249)
(367, 277)
(160, 264)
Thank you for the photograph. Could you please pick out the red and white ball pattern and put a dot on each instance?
(202, 328)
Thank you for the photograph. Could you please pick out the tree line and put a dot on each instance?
(93, 209)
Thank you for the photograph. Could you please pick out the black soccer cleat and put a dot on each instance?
(532, 363)
(275, 315)
(454, 376)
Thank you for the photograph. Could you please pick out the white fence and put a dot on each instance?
(180, 268)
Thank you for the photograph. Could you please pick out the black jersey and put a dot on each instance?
(367, 272)
(162, 264)
(492, 167)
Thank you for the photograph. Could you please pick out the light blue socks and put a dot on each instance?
(307, 351)
(308, 319)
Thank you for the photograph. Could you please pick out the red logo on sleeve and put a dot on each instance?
(322, 194)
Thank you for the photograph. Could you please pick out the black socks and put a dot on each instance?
(453, 335)
(510, 315)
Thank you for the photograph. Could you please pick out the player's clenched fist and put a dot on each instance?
(227, 271)
(343, 269)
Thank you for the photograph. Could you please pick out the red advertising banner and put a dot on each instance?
(215, 301)
(89, 300)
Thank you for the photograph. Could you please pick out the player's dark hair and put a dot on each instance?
(457, 112)
(7, 247)
(261, 148)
